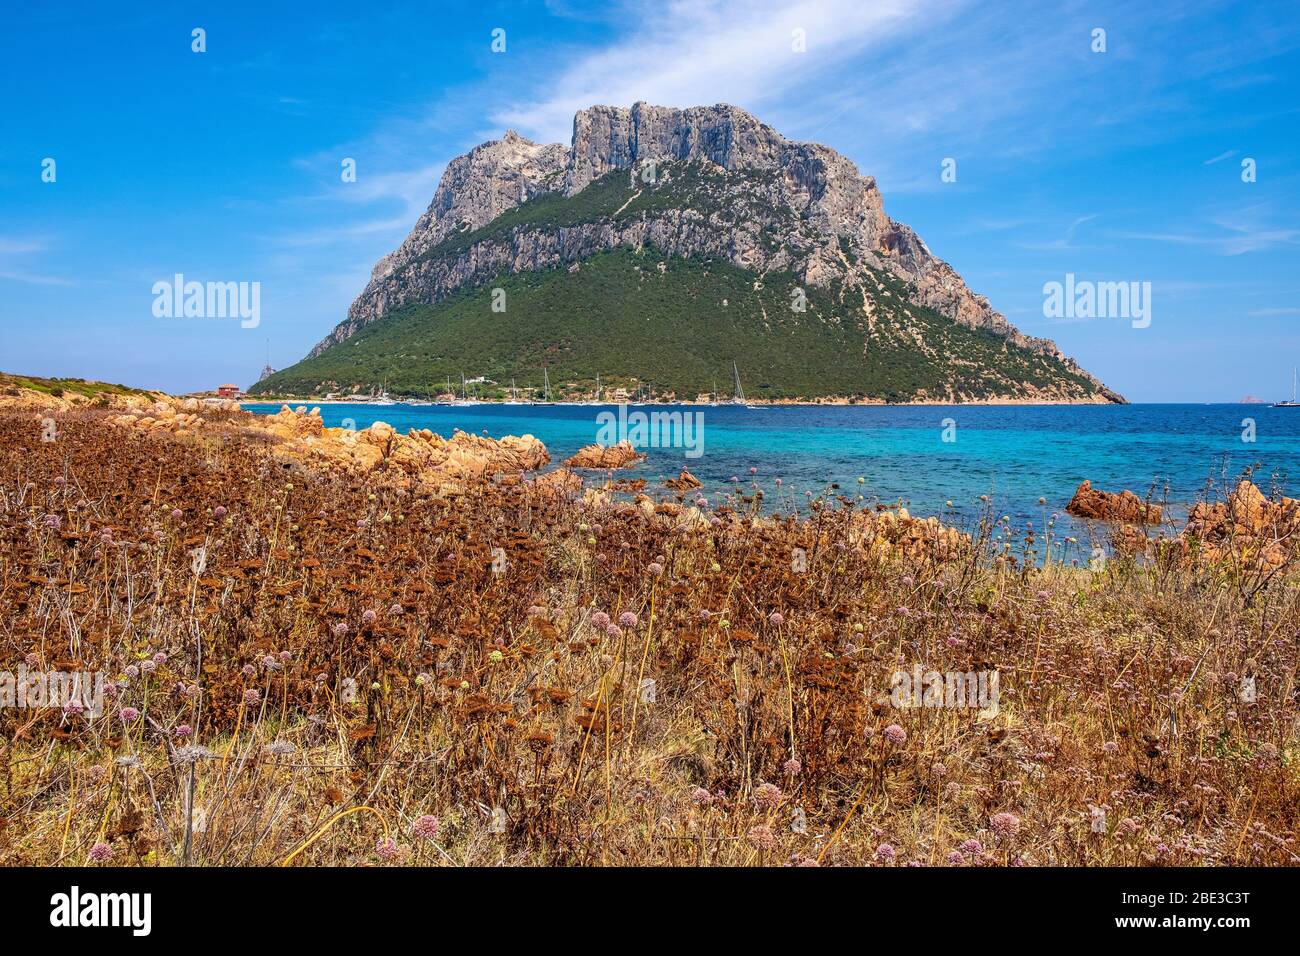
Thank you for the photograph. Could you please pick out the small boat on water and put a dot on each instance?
(546, 389)
(1293, 403)
(464, 394)
(738, 398)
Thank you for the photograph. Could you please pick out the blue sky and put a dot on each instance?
(225, 165)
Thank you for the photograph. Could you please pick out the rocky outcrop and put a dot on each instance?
(1124, 508)
(683, 482)
(1259, 531)
(419, 458)
(807, 209)
(605, 457)
(897, 532)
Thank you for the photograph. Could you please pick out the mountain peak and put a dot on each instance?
(759, 201)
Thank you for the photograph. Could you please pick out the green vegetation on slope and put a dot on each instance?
(674, 325)
(60, 387)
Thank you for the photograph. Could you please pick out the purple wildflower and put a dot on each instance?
(426, 827)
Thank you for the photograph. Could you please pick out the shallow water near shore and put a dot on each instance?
(1015, 454)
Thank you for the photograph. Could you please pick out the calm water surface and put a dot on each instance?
(1016, 454)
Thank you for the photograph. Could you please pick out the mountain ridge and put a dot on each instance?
(807, 211)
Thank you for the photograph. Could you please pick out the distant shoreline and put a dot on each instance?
(754, 403)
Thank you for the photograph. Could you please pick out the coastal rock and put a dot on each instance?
(1125, 507)
(683, 482)
(605, 457)
(561, 482)
(1259, 532)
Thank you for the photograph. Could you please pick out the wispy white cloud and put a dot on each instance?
(15, 254)
(693, 53)
(1229, 234)
(1228, 154)
(1064, 242)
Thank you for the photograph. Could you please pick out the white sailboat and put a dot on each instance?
(464, 394)
(514, 395)
(1293, 403)
(546, 388)
(739, 396)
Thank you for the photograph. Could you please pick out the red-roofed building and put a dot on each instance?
(228, 391)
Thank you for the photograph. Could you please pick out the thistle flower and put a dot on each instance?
(395, 610)
(54, 522)
(777, 618)
(73, 707)
(896, 735)
(885, 853)
(368, 617)
(219, 511)
(768, 796)
(701, 797)
(248, 670)
(177, 514)
(183, 731)
(340, 629)
(1005, 825)
(286, 656)
(160, 658)
(252, 696)
(654, 568)
(627, 619)
(387, 849)
(128, 714)
(427, 827)
(613, 630)
(792, 766)
(761, 837)
(600, 620)
(954, 858)
(101, 853)
(971, 847)
(132, 671)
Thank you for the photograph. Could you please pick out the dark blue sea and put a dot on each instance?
(1015, 454)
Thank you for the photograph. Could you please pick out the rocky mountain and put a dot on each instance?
(713, 193)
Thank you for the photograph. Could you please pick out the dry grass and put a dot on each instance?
(500, 705)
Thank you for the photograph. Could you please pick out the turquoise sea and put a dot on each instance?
(1015, 454)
